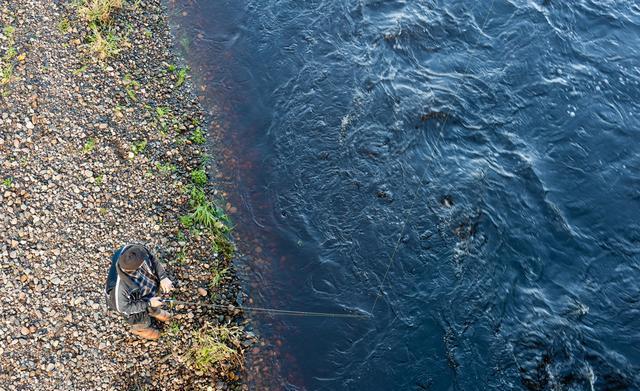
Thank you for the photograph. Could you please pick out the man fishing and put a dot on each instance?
(132, 284)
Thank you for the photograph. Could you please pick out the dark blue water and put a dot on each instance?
(467, 172)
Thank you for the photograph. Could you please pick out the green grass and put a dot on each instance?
(216, 277)
(181, 256)
(173, 329)
(131, 86)
(89, 146)
(6, 61)
(7, 182)
(139, 147)
(214, 347)
(104, 43)
(206, 217)
(63, 26)
(100, 179)
(196, 196)
(166, 168)
(80, 70)
(182, 76)
(197, 136)
(199, 177)
(162, 111)
(98, 11)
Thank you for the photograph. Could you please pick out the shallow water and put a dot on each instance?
(466, 172)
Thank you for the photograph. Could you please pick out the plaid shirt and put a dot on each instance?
(146, 279)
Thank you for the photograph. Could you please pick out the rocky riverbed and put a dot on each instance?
(99, 142)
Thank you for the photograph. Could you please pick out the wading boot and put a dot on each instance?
(162, 315)
(147, 333)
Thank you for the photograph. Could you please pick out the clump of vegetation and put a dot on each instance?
(63, 26)
(206, 217)
(131, 86)
(89, 146)
(162, 111)
(216, 348)
(216, 277)
(166, 168)
(199, 177)
(80, 70)
(99, 12)
(103, 43)
(182, 76)
(138, 147)
(173, 329)
(6, 61)
(198, 136)
(7, 182)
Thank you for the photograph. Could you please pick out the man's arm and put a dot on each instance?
(124, 303)
(165, 283)
(159, 269)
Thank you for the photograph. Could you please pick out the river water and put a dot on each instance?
(466, 172)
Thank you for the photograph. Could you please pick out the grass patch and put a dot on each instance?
(138, 147)
(6, 61)
(80, 70)
(197, 136)
(99, 15)
(89, 146)
(199, 177)
(63, 26)
(216, 348)
(173, 329)
(207, 217)
(162, 111)
(131, 86)
(182, 76)
(7, 183)
(103, 43)
(216, 277)
(166, 168)
(99, 11)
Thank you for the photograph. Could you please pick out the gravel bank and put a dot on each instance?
(94, 154)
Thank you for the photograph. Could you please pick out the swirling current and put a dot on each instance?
(466, 172)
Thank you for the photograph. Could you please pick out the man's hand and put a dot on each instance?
(155, 302)
(166, 285)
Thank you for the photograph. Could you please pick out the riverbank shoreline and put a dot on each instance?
(102, 142)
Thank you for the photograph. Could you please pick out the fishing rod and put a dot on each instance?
(272, 311)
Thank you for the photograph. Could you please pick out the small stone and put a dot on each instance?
(24, 331)
(202, 292)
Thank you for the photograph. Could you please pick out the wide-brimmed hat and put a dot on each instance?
(132, 257)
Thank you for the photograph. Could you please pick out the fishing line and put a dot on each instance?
(404, 225)
(272, 311)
